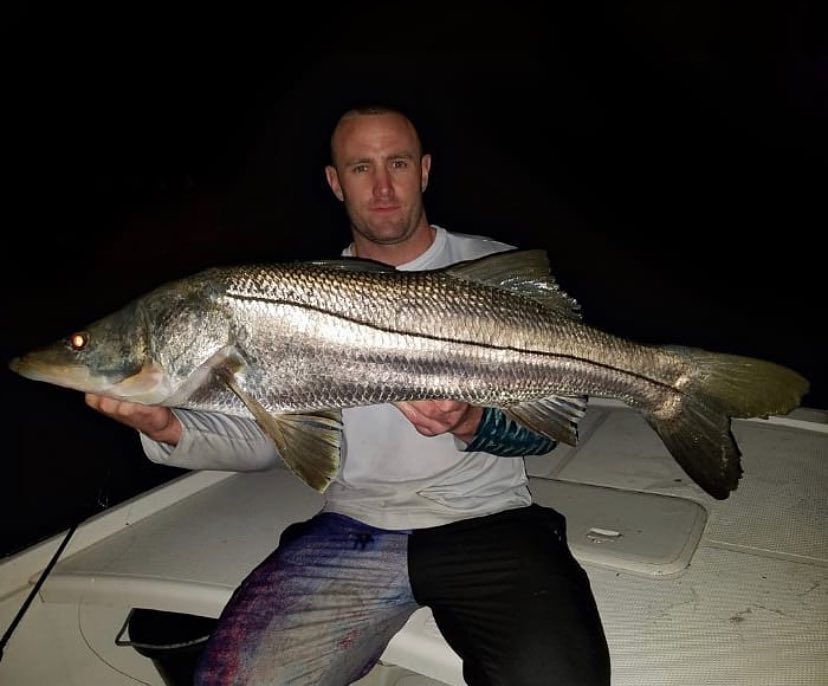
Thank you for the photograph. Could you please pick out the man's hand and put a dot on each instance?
(154, 421)
(434, 417)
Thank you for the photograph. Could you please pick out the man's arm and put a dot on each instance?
(499, 435)
(485, 430)
(190, 439)
(204, 440)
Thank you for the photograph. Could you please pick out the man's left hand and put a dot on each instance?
(435, 417)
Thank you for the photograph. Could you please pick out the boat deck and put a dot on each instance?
(692, 591)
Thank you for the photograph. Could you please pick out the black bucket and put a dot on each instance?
(172, 640)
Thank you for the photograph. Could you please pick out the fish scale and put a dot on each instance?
(292, 344)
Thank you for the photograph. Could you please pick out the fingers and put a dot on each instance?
(435, 417)
(431, 417)
(94, 401)
(121, 409)
(156, 421)
(420, 421)
(107, 406)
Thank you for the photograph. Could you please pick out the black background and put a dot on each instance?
(670, 156)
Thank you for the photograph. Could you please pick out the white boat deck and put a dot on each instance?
(692, 591)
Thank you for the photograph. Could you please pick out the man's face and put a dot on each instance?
(380, 176)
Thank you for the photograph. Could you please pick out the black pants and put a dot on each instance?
(511, 600)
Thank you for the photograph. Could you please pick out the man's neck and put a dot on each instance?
(397, 253)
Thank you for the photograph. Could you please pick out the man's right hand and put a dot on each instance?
(154, 421)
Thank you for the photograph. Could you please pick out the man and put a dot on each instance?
(430, 507)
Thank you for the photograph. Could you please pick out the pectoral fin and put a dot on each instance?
(555, 417)
(308, 443)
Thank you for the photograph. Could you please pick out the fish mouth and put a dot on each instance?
(146, 386)
(66, 375)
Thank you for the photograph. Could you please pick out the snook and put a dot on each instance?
(292, 344)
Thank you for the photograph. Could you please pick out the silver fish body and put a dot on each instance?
(291, 344)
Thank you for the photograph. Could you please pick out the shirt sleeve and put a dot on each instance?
(215, 441)
(499, 435)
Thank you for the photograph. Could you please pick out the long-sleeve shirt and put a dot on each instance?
(390, 475)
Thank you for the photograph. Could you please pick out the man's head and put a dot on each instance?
(379, 171)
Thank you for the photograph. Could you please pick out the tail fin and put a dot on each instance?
(698, 433)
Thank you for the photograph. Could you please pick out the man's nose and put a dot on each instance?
(382, 183)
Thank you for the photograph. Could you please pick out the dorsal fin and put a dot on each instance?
(522, 271)
(353, 264)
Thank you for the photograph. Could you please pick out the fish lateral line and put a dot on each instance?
(457, 341)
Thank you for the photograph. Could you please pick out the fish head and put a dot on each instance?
(110, 357)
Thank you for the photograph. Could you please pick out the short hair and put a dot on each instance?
(369, 109)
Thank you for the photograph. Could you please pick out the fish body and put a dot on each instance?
(292, 344)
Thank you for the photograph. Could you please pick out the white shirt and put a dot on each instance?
(391, 476)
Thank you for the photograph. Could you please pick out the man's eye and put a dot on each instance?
(360, 168)
(400, 164)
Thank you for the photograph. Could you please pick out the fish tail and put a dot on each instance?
(696, 428)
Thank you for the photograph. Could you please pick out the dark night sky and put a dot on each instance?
(670, 156)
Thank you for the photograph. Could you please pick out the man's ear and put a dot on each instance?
(425, 168)
(333, 182)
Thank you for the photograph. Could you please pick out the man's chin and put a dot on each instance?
(387, 235)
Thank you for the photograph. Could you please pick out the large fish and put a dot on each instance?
(291, 344)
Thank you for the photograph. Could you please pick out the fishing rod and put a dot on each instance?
(34, 591)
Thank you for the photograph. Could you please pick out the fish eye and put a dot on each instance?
(78, 341)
